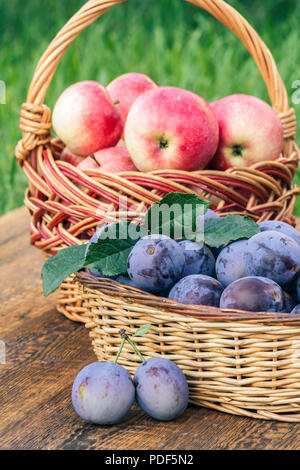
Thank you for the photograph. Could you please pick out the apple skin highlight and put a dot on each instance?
(85, 118)
(250, 132)
(171, 128)
(111, 160)
(125, 89)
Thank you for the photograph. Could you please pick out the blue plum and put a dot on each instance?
(209, 214)
(273, 255)
(155, 263)
(197, 289)
(289, 302)
(161, 389)
(103, 393)
(280, 227)
(297, 283)
(296, 309)
(230, 264)
(253, 294)
(198, 258)
(126, 281)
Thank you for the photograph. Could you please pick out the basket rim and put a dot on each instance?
(131, 294)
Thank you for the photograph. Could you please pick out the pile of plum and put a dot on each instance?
(261, 274)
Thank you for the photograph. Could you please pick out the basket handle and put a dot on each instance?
(35, 121)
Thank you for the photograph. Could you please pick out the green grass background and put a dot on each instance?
(172, 41)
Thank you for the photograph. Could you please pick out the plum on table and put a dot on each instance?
(161, 389)
(103, 393)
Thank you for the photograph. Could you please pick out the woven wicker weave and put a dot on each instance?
(237, 362)
(242, 363)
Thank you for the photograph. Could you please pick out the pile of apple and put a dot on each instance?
(135, 125)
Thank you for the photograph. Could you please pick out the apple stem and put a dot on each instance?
(237, 150)
(163, 144)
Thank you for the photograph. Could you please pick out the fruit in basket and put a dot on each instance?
(103, 393)
(289, 302)
(197, 289)
(253, 294)
(88, 163)
(85, 118)
(171, 128)
(250, 132)
(230, 264)
(70, 157)
(210, 214)
(125, 89)
(155, 263)
(282, 227)
(296, 309)
(126, 281)
(161, 389)
(298, 288)
(273, 255)
(198, 258)
(112, 160)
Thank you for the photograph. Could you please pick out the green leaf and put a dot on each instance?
(57, 268)
(109, 255)
(218, 232)
(176, 215)
(142, 330)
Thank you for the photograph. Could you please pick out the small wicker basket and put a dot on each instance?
(237, 362)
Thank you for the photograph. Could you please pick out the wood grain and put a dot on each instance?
(45, 351)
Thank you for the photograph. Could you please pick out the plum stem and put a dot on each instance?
(125, 337)
(135, 348)
(120, 349)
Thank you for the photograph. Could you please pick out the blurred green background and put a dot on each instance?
(175, 43)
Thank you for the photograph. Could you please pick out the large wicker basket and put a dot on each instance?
(237, 362)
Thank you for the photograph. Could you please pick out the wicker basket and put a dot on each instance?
(242, 363)
(235, 361)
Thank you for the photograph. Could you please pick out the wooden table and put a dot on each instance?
(44, 351)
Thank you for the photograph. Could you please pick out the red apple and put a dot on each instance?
(171, 128)
(88, 163)
(115, 160)
(112, 160)
(70, 157)
(125, 89)
(250, 131)
(85, 118)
